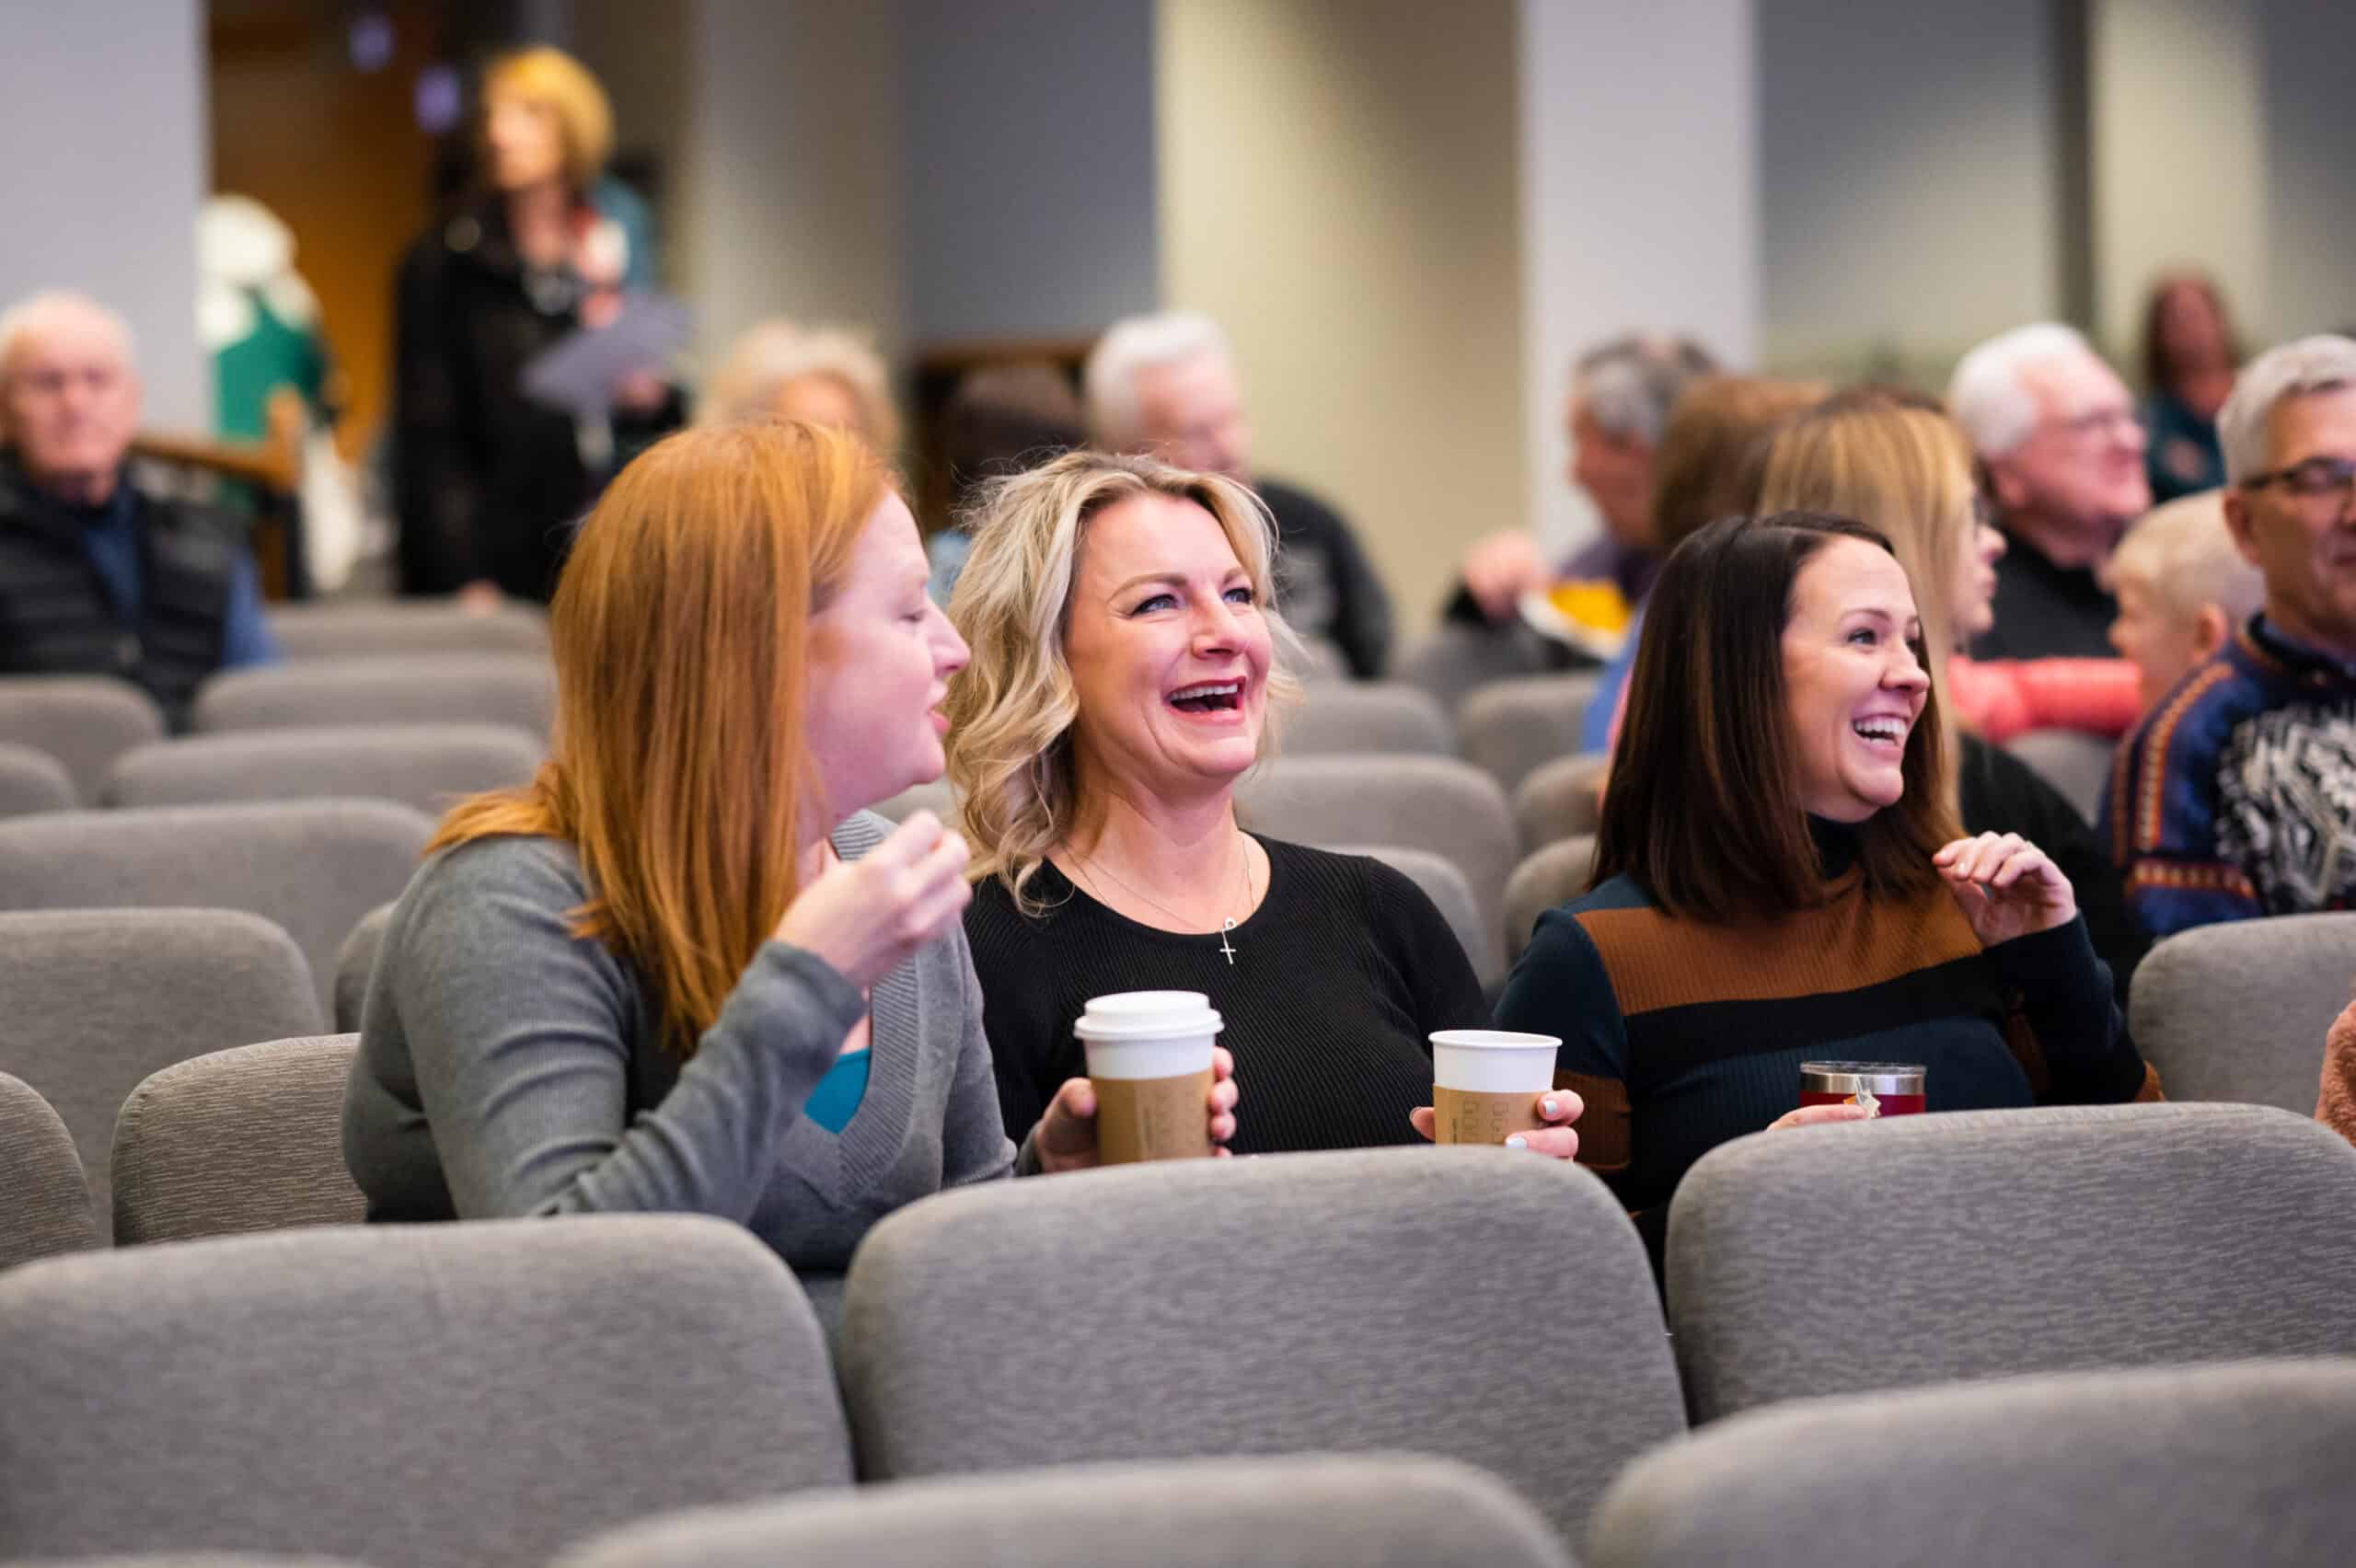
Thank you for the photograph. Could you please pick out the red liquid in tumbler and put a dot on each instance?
(1891, 1104)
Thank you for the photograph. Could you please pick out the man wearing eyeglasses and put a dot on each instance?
(2062, 455)
(2236, 794)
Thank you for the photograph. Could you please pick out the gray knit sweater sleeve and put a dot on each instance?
(519, 1034)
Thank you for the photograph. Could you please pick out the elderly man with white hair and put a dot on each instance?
(1166, 385)
(2237, 795)
(2057, 437)
(98, 577)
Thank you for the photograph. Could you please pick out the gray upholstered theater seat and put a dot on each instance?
(96, 999)
(428, 766)
(2076, 764)
(1367, 716)
(355, 964)
(1306, 1512)
(1416, 802)
(515, 690)
(311, 867)
(428, 1395)
(1509, 728)
(33, 781)
(1472, 1303)
(2246, 1464)
(1552, 877)
(1446, 887)
(1558, 799)
(45, 1197)
(1454, 661)
(2239, 1010)
(344, 631)
(84, 721)
(245, 1139)
(1979, 1244)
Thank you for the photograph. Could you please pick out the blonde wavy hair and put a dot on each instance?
(1907, 471)
(1012, 708)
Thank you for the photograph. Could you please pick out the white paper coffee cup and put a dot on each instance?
(1485, 1083)
(1150, 1058)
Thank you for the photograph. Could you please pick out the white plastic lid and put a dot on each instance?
(1149, 1015)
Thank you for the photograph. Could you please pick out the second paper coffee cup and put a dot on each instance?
(1150, 1060)
(1485, 1083)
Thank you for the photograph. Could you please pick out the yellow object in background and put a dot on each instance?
(1598, 605)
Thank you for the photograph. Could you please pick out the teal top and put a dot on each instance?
(837, 1099)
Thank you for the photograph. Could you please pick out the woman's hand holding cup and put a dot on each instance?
(1066, 1139)
(2007, 886)
(868, 916)
(1554, 1136)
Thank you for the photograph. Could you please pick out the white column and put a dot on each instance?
(103, 114)
(1639, 198)
(2179, 153)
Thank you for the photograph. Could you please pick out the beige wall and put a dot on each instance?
(1338, 185)
(2179, 154)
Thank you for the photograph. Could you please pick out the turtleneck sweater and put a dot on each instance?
(1681, 1034)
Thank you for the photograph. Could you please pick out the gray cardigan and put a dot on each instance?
(508, 1068)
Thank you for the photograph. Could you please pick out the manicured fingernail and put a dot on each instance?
(1517, 1141)
(1547, 1106)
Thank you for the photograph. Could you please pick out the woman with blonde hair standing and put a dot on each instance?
(1127, 669)
(682, 970)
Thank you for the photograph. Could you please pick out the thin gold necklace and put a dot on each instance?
(1093, 869)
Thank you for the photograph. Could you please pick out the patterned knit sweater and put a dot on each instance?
(2237, 795)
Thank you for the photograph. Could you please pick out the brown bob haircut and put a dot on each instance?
(1703, 812)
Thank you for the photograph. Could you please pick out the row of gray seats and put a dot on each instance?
(1471, 1305)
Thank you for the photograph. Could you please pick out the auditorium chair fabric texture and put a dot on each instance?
(1477, 1305)
(2170, 1468)
(2239, 1011)
(33, 781)
(427, 767)
(2076, 764)
(1979, 1244)
(1559, 800)
(84, 721)
(341, 630)
(1510, 728)
(433, 1395)
(515, 690)
(1548, 878)
(99, 999)
(1307, 1513)
(355, 962)
(1455, 661)
(312, 867)
(238, 1140)
(1369, 716)
(45, 1197)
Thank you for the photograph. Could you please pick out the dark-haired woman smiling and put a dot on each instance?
(1778, 878)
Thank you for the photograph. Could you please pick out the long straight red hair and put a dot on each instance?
(681, 635)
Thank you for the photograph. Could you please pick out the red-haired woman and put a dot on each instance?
(682, 970)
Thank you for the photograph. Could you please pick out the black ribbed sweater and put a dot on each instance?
(1337, 979)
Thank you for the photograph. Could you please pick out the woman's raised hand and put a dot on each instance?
(2007, 886)
(867, 916)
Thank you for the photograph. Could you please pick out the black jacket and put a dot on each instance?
(488, 483)
(57, 617)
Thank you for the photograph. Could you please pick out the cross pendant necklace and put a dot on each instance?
(1223, 947)
(1227, 925)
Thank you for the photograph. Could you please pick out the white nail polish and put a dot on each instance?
(1517, 1141)
(1547, 1106)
